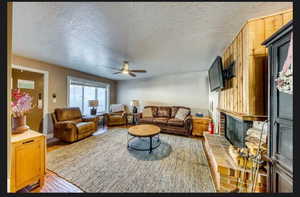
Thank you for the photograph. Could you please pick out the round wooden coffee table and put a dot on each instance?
(141, 132)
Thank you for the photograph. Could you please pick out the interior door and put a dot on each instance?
(34, 119)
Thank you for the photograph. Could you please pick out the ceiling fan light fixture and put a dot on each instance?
(125, 70)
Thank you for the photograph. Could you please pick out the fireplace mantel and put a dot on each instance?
(244, 117)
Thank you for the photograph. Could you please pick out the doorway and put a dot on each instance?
(35, 83)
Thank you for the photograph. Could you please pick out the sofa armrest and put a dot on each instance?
(140, 115)
(188, 124)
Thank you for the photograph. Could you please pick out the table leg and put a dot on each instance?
(150, 144)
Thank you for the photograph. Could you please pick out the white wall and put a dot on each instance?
(213, 105)
(186, 89)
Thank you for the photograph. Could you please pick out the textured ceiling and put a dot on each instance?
(161, 37)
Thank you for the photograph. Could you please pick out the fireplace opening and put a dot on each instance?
(236, 130)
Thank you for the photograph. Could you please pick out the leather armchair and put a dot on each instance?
(70, 126)
(117, 117)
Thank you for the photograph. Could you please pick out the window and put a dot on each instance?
(80, 91)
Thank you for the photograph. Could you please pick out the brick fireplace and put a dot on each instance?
(225, 162)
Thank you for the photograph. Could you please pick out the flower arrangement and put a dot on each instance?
(284, 82)
(21, 103)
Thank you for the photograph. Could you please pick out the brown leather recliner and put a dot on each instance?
(118, 117)
(70, 126)
(164, 117)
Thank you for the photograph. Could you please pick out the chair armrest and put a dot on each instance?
(124, 115)
(66, 131)
(65, 125)
(89, 118)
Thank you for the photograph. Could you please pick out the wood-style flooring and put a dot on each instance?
(54, 183)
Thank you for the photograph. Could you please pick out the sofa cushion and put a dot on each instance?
(147, 113)
(164, 112)
(161, 120)
(85, 127)
(182, 113)
(174, 111)
(175, 122)
(115, 117)
(146, 120)
(69, 113)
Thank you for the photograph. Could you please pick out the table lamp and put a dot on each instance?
(94, 104)
(134, 104)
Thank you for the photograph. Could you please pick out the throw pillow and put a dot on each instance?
(174, 111)
(182, 113)
(147, 113)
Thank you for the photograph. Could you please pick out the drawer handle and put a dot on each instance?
(29, 141)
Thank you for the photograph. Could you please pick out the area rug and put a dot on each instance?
(104, 164)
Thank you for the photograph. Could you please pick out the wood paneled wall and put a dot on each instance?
(245, 94)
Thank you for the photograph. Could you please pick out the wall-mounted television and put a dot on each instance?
(215, 75)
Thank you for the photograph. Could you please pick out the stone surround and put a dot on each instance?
(225, 171)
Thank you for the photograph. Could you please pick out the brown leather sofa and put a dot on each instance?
(69, 125)
(164, 117)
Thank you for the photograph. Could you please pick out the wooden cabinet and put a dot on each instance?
(245, 94)
(200, 125)
(28, 159)
(280, 115)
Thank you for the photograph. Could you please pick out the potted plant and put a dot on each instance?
(21, 104)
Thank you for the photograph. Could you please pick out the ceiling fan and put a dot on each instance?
(125, 70)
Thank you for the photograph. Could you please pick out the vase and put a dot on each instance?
(19, 125)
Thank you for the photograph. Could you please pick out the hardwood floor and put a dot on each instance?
(54, 183)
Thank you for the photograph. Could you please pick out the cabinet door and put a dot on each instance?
(27, 162)
(281, 122)
(282, 181)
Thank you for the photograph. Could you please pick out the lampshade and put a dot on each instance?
(93, 103)
(135, 103)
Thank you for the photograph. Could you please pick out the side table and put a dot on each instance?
(102, 116)
(200, 125)
(134, 117)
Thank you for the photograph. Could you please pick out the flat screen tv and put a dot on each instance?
(215, 75)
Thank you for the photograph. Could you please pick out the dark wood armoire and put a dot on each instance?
(280, 112)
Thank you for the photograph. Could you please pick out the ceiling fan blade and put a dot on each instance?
(138, 71)
(111, 68)
(132, 74)
(117, 72)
